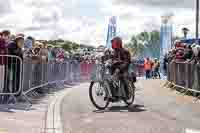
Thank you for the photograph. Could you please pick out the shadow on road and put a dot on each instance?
(133, 108)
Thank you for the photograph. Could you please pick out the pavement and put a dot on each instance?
(156, 110)
(18, 119)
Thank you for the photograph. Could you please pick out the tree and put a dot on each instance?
(145, 44)
(60, 40)
(75, 46)
(185, 31)
(154, 44)
(67, 47)
(135, 47)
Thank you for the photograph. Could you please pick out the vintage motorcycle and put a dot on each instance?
(101, 87)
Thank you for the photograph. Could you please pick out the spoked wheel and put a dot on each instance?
(131, 95)
(98, 93)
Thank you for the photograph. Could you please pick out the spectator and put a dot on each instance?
(12, 37)
(35, 51)
(28, 44)
(50, 56)
(165, 61)
(180, 52)
(16, 47)
(6, 36)
(54, 52)
(3, 51)
(60, 55)
(14, 65)
(147, 67)
(196, 51)
(43, 52)
(188, 53)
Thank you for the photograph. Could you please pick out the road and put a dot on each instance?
(155, 110)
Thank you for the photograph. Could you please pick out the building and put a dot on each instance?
(166, 34)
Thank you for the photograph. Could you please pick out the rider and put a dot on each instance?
(121, 60)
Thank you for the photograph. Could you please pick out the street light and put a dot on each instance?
(197, 19)
(185, 32)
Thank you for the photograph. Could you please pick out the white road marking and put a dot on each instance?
(88, 120)
(53, 114)
(191, 131)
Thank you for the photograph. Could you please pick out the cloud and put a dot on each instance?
(158, 3)
(86, 21)
(5, 7)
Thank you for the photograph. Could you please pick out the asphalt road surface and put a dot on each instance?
(155, 110)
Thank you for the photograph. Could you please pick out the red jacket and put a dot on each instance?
(3, 51)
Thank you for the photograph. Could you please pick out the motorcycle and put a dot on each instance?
(102, 85)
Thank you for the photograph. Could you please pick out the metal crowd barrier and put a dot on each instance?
(11, 68)
(139, 70)
(185, 76)
(18, 78)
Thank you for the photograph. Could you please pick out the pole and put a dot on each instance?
(197, 19)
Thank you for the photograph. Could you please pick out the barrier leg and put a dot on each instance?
(197, 99)
(27, 99)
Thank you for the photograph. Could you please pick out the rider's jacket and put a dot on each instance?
(123, 56)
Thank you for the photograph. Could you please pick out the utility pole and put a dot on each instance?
(197, 19)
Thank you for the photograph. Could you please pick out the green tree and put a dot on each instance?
(60, 40)
(135, 47)
(67, 46)
(154, 44)
(145, 44)
(75, 46)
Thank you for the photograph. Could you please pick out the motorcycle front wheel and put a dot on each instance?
(131, 95)
(99, 89)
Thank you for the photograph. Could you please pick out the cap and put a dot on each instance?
(19, 36)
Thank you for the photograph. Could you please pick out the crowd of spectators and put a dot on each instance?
(28, 48)
(183, 65)
(36, 51)
(183, 52)
(29, 51)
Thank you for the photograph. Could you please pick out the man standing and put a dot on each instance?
(4, 40)
(6, 36)
(15, 48)
(147, 67)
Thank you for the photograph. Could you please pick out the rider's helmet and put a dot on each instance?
(116, 43)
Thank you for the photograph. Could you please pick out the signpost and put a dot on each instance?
(197, 19)
(112, 26)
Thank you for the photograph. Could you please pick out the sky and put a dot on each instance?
(86, 21)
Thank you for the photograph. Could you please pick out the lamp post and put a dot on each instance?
(185, 32)
(197, 19)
